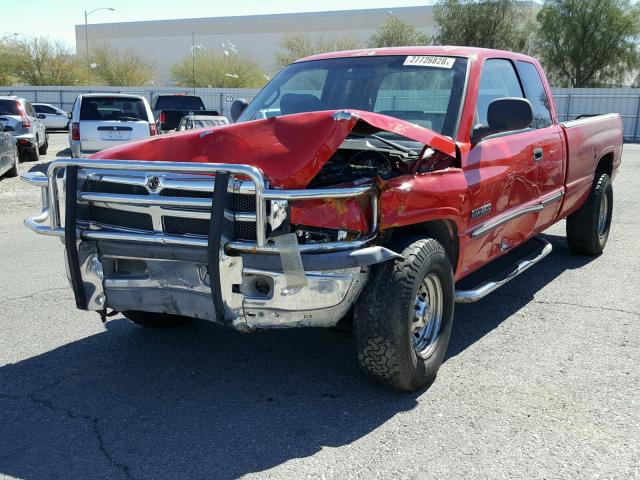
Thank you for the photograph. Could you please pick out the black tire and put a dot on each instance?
(43, 149)
(384, 316)
(588, 227)
(13, 172)
(33, 155)
(156, 320)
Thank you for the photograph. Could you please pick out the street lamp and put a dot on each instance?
(86, 27)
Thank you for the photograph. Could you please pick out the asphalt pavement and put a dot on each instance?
(541, 379)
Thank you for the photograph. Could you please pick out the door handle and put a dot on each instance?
(537, 154)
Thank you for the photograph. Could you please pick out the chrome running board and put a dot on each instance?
(484, 289)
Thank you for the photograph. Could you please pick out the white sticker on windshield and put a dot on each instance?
(429, 61)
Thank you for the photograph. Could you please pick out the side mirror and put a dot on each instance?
(505, 115)
(42, 116)
(69, 115)
(237, 107)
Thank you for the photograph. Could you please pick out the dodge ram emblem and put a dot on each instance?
(153, 183)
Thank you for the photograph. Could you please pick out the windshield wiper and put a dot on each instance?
(396, 146)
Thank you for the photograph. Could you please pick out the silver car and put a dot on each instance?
(8, 154)
(18, 118)
(54, 118)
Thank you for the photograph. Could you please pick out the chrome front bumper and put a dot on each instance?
(158, 272)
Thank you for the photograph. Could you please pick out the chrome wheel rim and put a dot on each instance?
(603, 215)
(427, 316)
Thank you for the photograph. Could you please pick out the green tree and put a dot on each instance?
(47, 62)
(586, 43)
(12, 55)
(113, 67)
(299, 45)
(397, 33)
(501, 24)
(226, 69)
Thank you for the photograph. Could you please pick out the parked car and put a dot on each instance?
(191, 122)
(54, 118)
(348, 201)
(170, 109)
(100, 120)
(9, 157)
(18, 117)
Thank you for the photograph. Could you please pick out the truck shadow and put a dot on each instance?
(205, 402)
(194, 402)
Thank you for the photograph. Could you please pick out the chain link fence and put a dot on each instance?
(570, 102)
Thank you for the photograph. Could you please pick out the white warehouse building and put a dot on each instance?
(165, 42)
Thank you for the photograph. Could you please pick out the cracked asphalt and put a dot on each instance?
(541, 380)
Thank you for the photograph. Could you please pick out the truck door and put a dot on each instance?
(502, 174)
(548, 149)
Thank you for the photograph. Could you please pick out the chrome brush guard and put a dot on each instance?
(207, 186)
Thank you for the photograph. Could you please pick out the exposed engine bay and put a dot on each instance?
(361, 158)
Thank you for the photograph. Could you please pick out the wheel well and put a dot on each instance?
(444, 231)
(605, 164)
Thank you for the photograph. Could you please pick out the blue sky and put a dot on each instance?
(56, 18)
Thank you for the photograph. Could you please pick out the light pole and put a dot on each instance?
(86, 27)
(194, 47)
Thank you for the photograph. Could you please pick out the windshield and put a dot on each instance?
(424, 90)
(113, 108)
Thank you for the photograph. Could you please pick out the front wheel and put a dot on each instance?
(588, 227)
(403, 321)
(155, 320)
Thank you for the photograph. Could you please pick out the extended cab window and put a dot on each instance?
(498, 80)
(534, 90)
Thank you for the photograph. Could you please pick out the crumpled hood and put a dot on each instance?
(290, 150)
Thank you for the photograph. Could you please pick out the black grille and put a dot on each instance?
(96, 186)
(237, 203)
(244, 203)
(120, 218)
(185, 226)
(244, 230)
(175, 192)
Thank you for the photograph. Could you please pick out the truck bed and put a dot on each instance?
(588, 139)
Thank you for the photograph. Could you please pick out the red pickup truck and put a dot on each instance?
(363, 184)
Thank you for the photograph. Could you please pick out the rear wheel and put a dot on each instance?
(42, 150)
(402, 323)
(156, 320)
(33, 155)
(588, 227)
